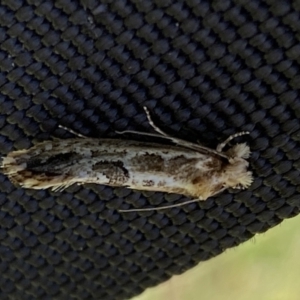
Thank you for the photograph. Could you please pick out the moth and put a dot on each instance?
(183, 168)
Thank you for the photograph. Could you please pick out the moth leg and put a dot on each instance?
(171, 205)
(156, 128)
(73, 132)
(147, 134)
(177, 141)
(231, 137)
(160, 207)
(173, 139)
(180, 142)
(161, 134)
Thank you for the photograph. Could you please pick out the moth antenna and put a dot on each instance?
(160, 207)
(231, 137)
(73, 132)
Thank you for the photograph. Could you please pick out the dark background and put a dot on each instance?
(205, 70)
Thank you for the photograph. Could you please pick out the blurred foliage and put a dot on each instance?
(266, 267)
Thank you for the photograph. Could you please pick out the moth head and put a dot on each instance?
(236, 174)
(239, 151)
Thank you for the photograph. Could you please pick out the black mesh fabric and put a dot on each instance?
(205, 69)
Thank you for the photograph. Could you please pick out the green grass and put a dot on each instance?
(264, 268)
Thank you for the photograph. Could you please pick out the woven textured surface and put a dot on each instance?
(205, 70)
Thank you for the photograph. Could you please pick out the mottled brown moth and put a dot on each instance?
(184, 168)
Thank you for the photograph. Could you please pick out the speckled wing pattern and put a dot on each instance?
(59, 163)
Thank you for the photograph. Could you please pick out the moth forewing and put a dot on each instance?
(142, 166)
(186, 168)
